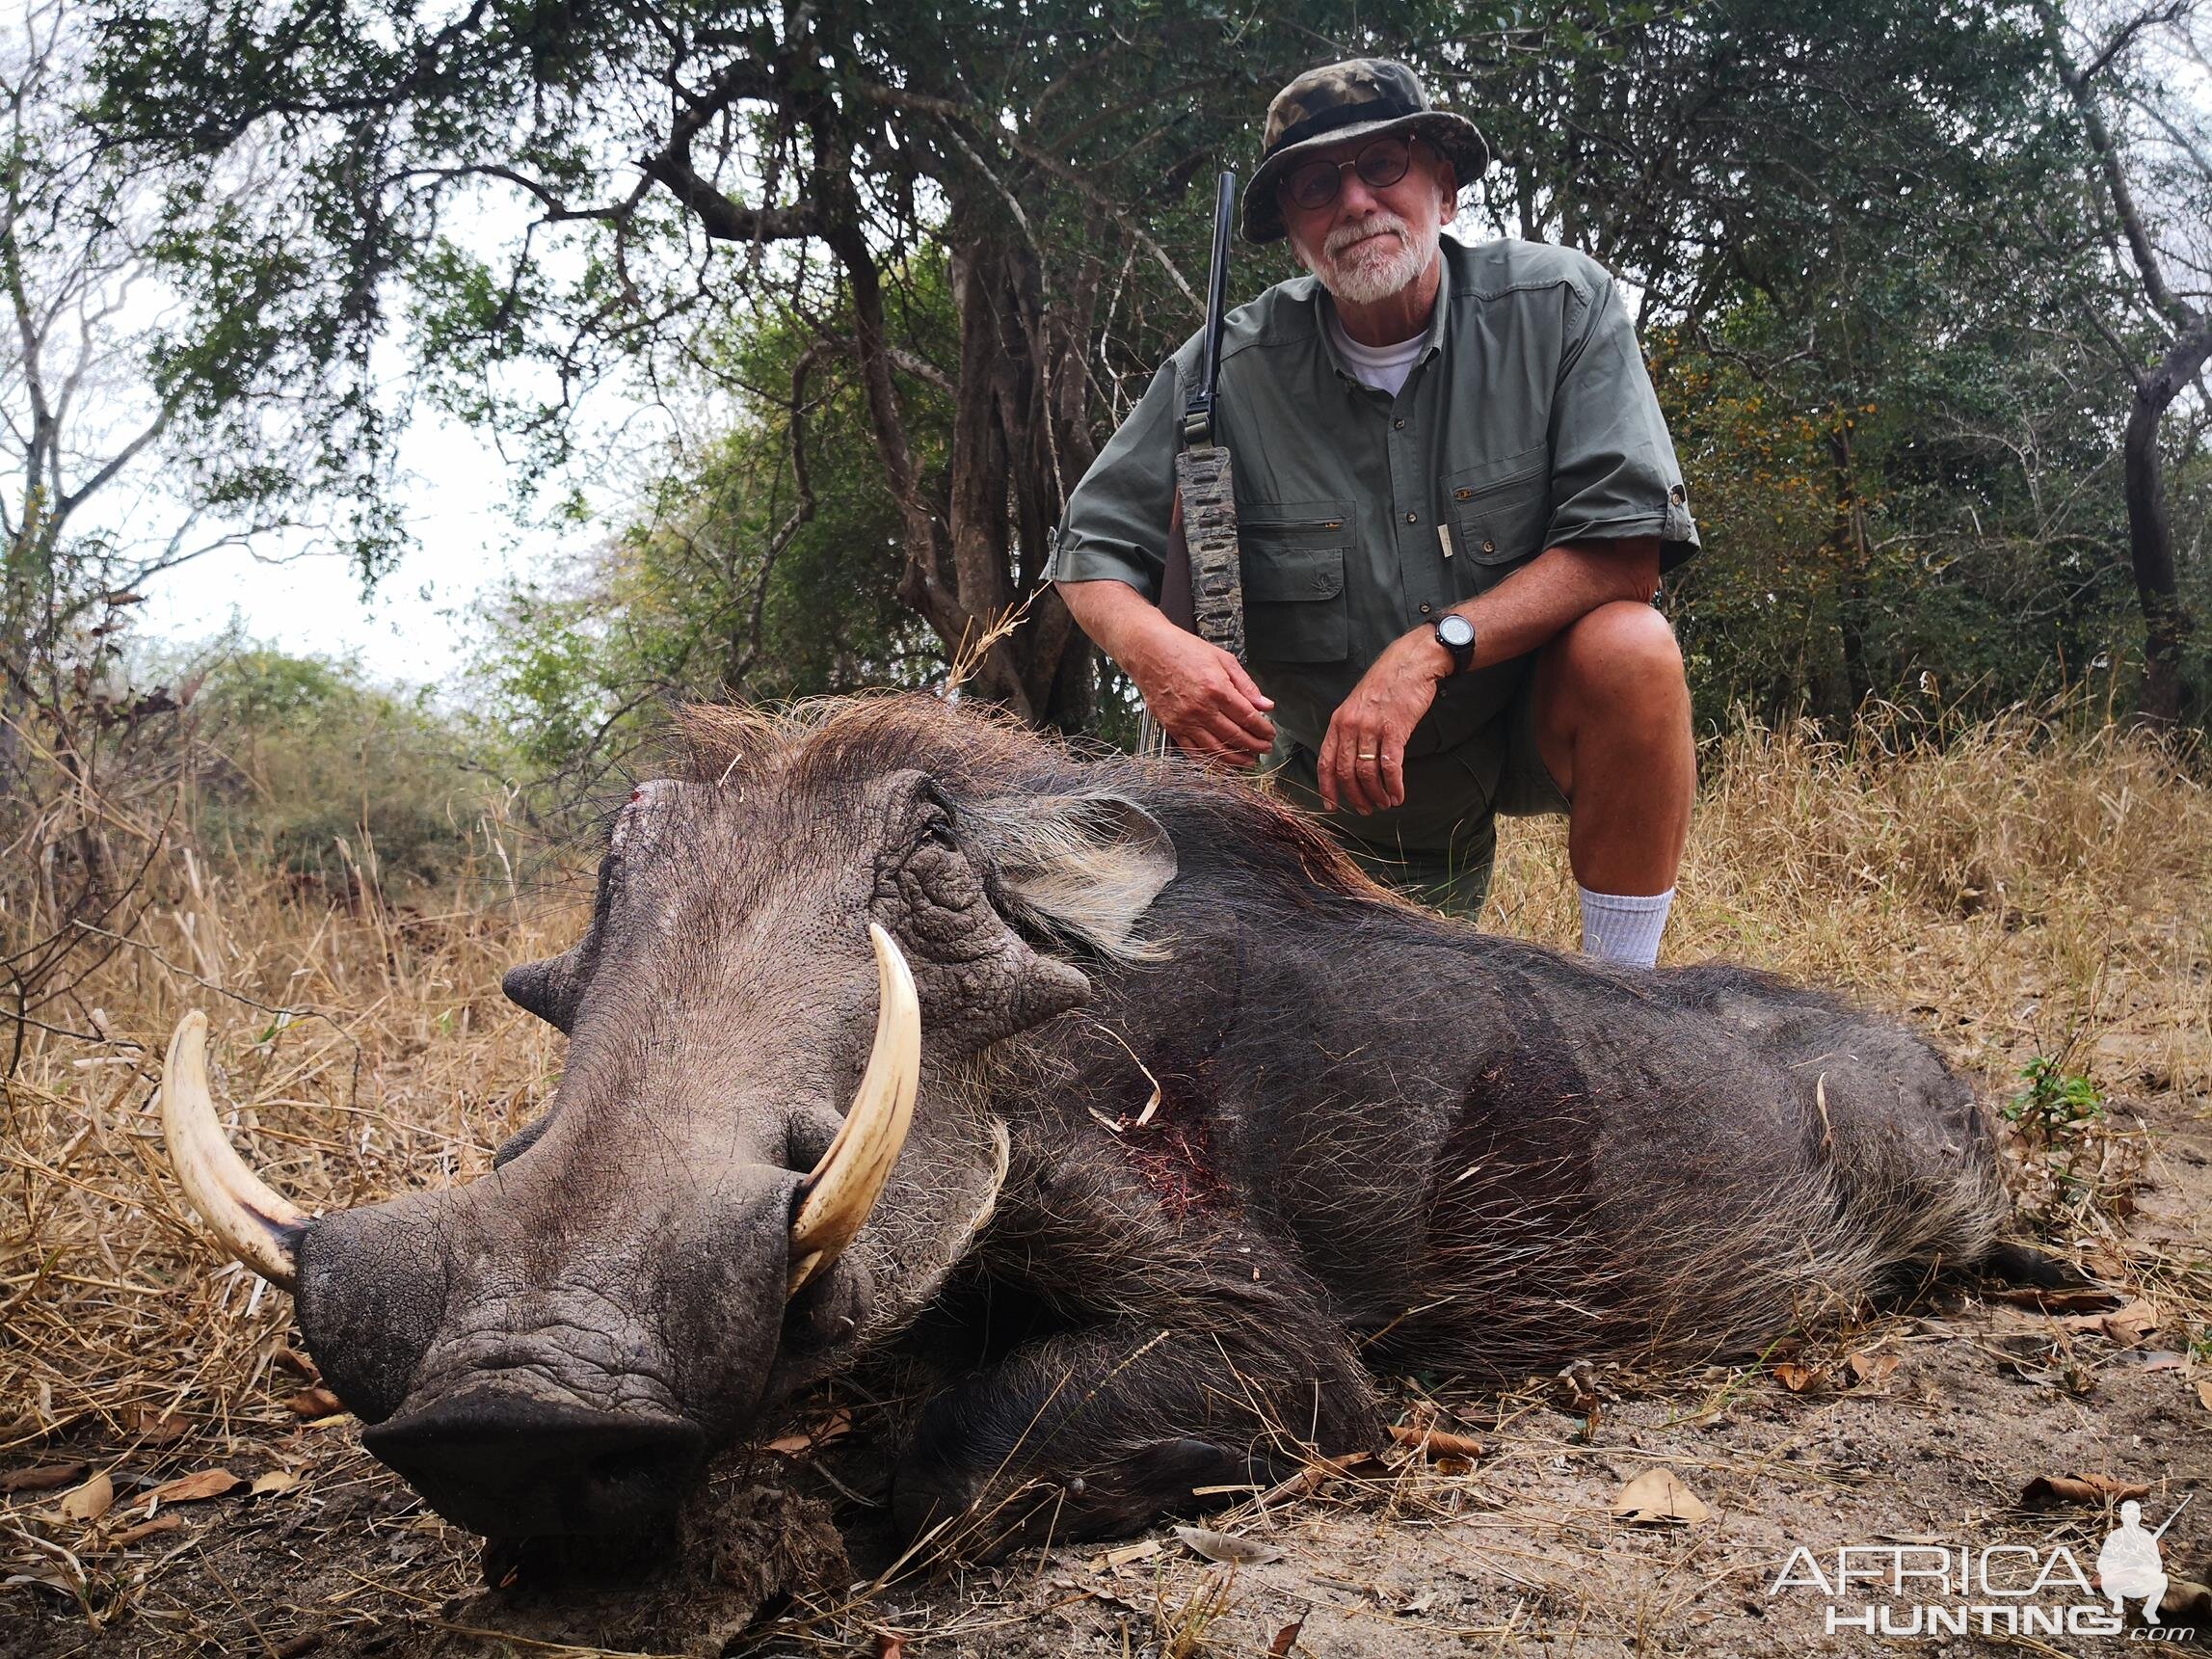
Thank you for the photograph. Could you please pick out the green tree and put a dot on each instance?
(681, 162)
(1847, 205)
(2147, 171)
(762, 564)
(153, 409)
(309, 769)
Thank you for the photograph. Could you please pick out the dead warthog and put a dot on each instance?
(886, 1003)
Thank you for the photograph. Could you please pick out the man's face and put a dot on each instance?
(1372, 240)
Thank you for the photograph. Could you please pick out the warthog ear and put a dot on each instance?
(548, 989)
(1084, 867)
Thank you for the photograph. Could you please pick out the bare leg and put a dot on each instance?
(1613, 724)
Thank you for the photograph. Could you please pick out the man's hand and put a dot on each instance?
(1362, 762)
(1202, 697)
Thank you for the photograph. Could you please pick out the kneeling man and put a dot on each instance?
(1455, 497)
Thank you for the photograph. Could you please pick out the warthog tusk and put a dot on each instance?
(843, 1188)
(249, 1219)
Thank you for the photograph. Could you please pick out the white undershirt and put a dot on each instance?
(1383, 368)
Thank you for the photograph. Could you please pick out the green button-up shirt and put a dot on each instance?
(1526, 422)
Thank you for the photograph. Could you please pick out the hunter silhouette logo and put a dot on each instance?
(1934, 1587)
(2130, 1566)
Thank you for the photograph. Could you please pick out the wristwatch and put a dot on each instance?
(1457, 635)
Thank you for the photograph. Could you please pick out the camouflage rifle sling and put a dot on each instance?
(1208, 493)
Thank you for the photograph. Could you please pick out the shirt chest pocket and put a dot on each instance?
(1294, 572)
(1500, 509)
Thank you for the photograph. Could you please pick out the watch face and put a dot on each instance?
(1455, 631)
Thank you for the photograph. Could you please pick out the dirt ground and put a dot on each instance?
(2014, 901)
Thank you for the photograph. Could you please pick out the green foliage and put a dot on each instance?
(1954, 539)
(2057, 1105)
(1884, 293)
(763, 564)
(320, 774)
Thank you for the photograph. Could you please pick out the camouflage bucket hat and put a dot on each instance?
(1360, 98)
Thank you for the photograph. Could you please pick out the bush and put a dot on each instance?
(318, 773)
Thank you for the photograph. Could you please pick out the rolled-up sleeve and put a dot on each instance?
(1613, 472)
(1115, 529)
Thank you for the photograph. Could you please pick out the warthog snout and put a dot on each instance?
(504, 1463)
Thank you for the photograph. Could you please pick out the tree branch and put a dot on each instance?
(722, 219)
(2101, 142)
(953, 111)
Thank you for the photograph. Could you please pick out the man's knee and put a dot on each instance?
(1620, 657)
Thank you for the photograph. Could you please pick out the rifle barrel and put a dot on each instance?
(2175, 1517)
(1200, 408)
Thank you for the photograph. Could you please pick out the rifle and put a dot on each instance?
(2172, 1519)
(1203, 588)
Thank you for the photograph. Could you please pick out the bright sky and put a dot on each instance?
(412, 632)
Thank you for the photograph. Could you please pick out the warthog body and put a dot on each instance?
(1380, 1140)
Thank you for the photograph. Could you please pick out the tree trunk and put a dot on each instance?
(2165, 622)
(1011, 447)
(1019, 445)
(1847, 544)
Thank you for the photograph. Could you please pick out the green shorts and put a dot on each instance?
(1438, 848)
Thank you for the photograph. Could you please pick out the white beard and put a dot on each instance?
(1380, 266)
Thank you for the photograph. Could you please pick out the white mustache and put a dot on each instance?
(1344, 235)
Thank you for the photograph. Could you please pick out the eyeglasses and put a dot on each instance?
(1314, 184)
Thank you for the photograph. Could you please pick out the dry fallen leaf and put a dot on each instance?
(2132, 1326)
(1226, 1547)
(90, 1501)
(43, 1477)
(1286, 1639)
(2186, 1599)
(297, 1363)
(162, 1523)
(1658, 1497)
(160, 1428)
(46, 1578)
(1436, 1442)
(1796, 1379)
(192, 1488)
(891, 1645)
(2205, 1394)
(1577, 1388)
(2046, 1490)
(275, 1483)
(315, 1402)
(1867, 1369)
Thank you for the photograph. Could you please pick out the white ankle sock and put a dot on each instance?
(1623, 927)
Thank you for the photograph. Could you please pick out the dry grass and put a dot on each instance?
(2015, 889)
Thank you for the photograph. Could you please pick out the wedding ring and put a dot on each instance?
(1367, 755)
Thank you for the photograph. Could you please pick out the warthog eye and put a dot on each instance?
(935, 830)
